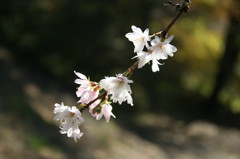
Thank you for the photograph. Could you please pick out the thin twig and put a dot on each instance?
(165, 31)
(181, 8)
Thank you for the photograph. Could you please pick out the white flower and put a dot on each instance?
(146, 57)
(87, 91)
(70, 118)
(139, 38)
(98, 111)
(161, 50)
(118, 87)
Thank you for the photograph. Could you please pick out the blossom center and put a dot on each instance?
(141, 39)
(71, 114)
(160, 46)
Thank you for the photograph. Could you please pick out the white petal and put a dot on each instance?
(131, 36)
(129, 99)
(155, 67)
(143, 59)
(138, 46)
(174, 49)
(133, 27)
(136, 29)
(155, 41)
(169, 39)
(146, 32)
(82, 76)
(70, 132)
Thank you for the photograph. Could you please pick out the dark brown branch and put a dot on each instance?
(165, 31)
(181, 8)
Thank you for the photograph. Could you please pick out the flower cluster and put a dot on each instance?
(159, 49)
(97, 96)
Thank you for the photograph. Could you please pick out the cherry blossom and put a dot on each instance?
(70, 118)
(139, 38)
(87, 91)
(161, 50)
(118, 87)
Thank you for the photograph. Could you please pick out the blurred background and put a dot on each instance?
(188, 110)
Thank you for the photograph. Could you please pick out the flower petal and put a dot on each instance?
(169, 39)
(81, 76)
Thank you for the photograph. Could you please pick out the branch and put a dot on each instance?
(181, 8)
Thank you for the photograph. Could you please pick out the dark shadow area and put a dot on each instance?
(16, 109)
